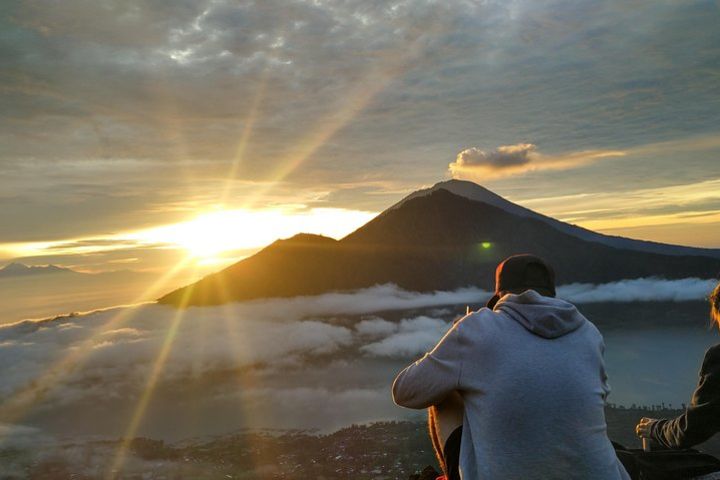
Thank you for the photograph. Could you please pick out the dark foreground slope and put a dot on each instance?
(439, 241)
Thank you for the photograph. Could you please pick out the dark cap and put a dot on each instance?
(523, 272)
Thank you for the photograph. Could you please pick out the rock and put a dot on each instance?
(428, 473)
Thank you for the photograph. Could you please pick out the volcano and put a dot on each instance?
(442, 238)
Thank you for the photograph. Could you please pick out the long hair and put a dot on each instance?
(715, 305)
(435, 438)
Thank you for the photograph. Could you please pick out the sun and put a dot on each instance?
(205, 238)
(211, 234)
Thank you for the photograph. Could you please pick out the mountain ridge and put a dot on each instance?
(437, 241)
(16, 269)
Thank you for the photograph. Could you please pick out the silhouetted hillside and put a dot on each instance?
(438, 241)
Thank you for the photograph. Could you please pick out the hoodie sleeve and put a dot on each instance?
(701, 419)
(429, 380)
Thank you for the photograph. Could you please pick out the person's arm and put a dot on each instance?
(429, 380)
(701, 419)
(603, 374)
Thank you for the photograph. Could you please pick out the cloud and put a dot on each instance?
(411, 338)
(262, 332)
(374, 299)
(211, 340)
(694, 204)
(476, 164)
(639, 290)
(168, 85)
(20, 436)
(503, 157)
(268, 354)
(119, 345)
(375, 327)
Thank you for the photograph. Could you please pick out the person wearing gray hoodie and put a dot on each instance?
(530, 373)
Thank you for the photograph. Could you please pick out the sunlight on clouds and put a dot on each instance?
(692, 218)
(32, 249)
(506, 160)
(209, 236)
(587, 207)
(693, 204)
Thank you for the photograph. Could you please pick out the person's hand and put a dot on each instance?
(643, 428)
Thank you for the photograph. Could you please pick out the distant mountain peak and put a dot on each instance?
(15, 269)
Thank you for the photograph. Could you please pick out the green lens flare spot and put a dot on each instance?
(486, 245)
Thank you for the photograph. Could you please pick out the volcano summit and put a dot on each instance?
(442, 238)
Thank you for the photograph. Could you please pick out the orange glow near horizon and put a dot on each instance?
(210, 234)
(214, 233)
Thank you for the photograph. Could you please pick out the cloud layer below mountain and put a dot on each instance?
(108, 354)
(307, 362)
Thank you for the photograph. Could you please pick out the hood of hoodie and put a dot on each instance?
(546, 317)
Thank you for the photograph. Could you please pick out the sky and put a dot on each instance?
(134, 133)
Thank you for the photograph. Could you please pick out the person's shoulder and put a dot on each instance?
(711, 362)
(478, 316)
(592, 329)
(482, 320)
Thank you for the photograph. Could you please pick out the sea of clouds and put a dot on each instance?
(311, 358)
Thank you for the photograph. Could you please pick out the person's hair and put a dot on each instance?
(435, 440)
(715, 305)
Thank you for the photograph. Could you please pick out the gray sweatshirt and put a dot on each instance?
(533, 382)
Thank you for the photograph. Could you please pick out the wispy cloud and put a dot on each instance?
(673, 210)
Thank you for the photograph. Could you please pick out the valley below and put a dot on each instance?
(394, 450)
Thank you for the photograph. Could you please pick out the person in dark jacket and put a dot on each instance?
(701, 419)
